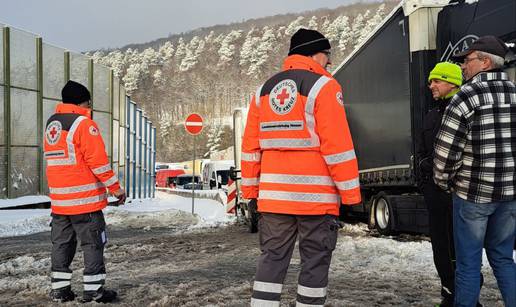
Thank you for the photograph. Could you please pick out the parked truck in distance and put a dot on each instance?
(215, 174)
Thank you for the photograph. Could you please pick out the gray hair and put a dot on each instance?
(496, 61)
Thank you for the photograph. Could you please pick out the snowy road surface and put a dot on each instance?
(164, 257)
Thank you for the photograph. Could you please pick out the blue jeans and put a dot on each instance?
(492, 226)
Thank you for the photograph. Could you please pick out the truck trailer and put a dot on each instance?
(384, 84)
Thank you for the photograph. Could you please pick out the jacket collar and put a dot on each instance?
(297, 61)
(72, 108)
(490, 75)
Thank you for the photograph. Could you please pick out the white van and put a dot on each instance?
(215, 174)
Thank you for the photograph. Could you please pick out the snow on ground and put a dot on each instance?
(165, 210)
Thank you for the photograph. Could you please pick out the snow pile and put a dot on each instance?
(24, 200)
(21, 222)
(165, 210)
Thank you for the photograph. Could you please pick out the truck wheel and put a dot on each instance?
(383, 216)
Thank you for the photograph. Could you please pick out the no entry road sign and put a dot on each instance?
(193, 124)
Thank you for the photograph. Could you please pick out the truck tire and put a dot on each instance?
(383, 216)
(370, 216)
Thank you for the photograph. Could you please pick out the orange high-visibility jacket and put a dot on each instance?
(78, 170)
(297, 151)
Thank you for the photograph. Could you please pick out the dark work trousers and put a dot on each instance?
(440, 213)
(90, 229)
(277, 235)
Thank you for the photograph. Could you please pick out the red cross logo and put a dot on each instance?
(53, 132)
(282, 96)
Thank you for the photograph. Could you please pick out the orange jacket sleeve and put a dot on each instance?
(336, 142)
(251, 153)
(92, 147)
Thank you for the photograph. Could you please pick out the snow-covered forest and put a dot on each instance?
(214, 70)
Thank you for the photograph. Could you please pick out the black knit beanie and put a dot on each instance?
(75, 93)
(308, 42)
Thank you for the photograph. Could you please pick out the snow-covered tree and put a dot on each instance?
(356, 30)
(166, 51)
(132, 78)
(312, 24)
(294, 26)
(345, 34)
(192, 52)
(214, 138)
(248, 47)
(150, 57)
(372, 22)
(337, 28)
(97, 56)
(325, 25)
(158, 78)
(262, 52)
(280, 32)
(164, 124)
(180, 51)
(115, 60)
(227, 48)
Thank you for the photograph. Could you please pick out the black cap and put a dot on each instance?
(308, 42)
(75, 93)
(489, 44)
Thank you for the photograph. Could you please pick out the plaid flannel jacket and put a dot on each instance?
(475, 150)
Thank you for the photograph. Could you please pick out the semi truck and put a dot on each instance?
(384, 84)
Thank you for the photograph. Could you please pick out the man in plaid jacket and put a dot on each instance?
(475, 156)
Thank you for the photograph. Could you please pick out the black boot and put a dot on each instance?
(101, 296)
(447, 301)
(62, 295)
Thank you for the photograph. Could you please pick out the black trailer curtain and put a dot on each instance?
(459, 24)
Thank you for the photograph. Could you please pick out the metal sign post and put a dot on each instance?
(193, 125)
(193, 177)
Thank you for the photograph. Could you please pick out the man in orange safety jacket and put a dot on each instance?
(78, 173)
(298, 161)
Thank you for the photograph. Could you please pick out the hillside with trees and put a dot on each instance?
(214, 70)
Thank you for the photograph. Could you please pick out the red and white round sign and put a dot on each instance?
(193, 124)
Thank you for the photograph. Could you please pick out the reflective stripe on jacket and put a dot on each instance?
(78, 170)
(297, 151)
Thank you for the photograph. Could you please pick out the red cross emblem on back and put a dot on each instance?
(53, 132)
(283, 96)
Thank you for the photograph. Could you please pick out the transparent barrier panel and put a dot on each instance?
(103, 120)
(115, 169)
(23, 117)
(3, 179)
(116, 140)
(121, 177)
(24, 172)
(45, 181)
(116, 98)
(2, 119)
(23, 59)
(123, 106)
(122, 145)
(49, 108)
(53, 71)
(79, 69)
(1, 58)
(101, 88)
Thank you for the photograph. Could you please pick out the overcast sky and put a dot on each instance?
(81, 25)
